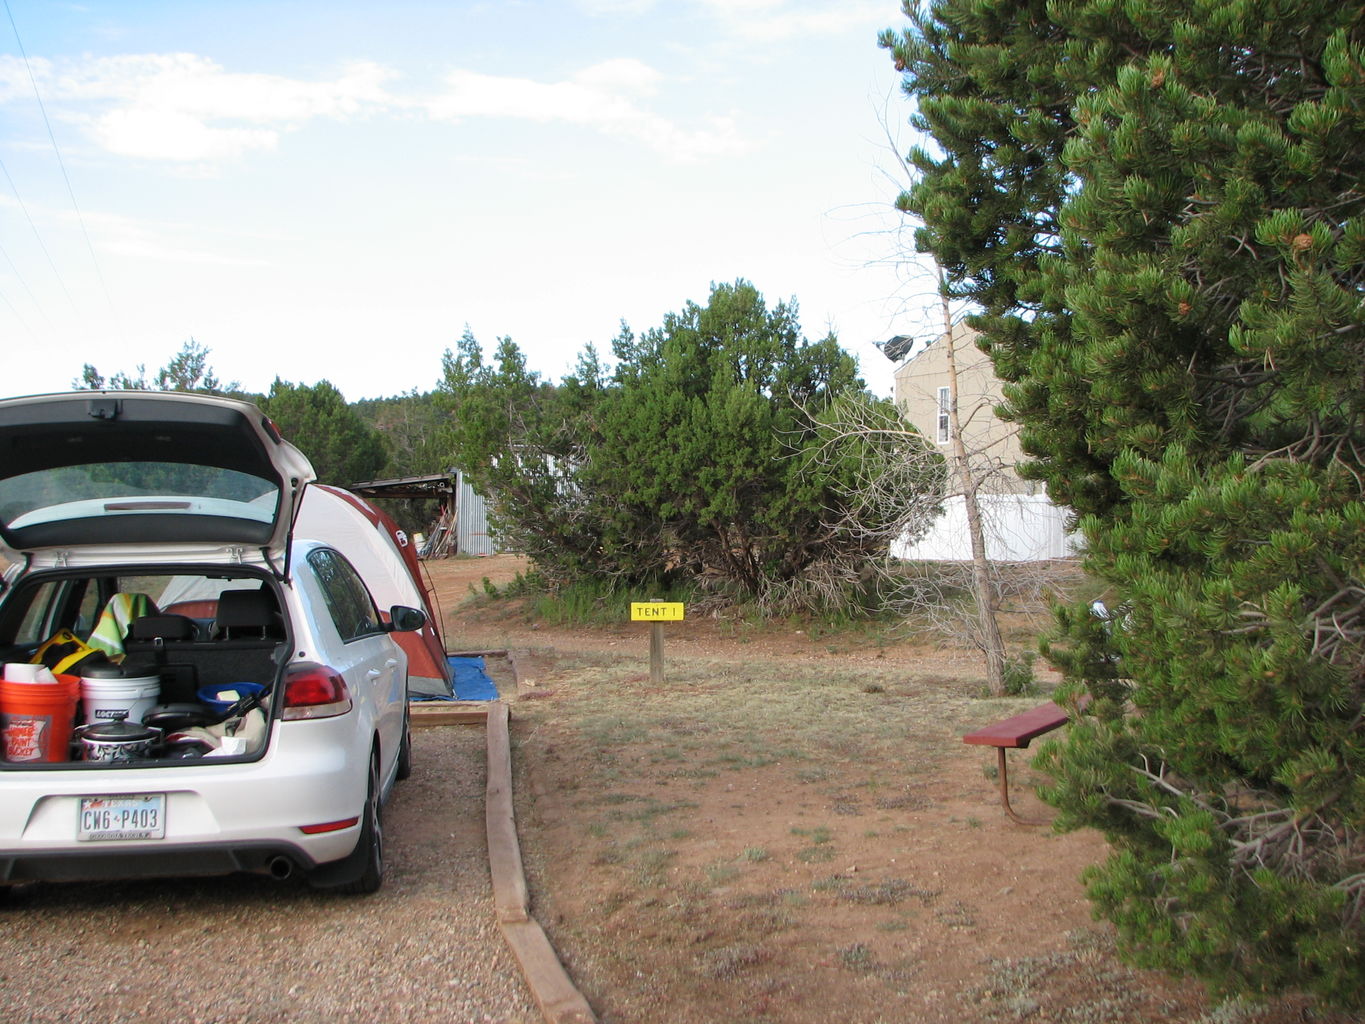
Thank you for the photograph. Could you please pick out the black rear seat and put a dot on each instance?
(246, 639)
(248, 615)
(165, 638)
(161, 628)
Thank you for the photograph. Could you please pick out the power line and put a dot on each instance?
(29, 291)
(13, 309)
(37, 234)
(99, 272)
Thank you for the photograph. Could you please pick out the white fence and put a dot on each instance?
(1018, 528)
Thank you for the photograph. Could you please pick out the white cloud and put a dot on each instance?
(605, 97)
(159, 251)
(14, 82)
(197, 86)
(175, 242)
(625, 74)
(186, 108)
(151, 134)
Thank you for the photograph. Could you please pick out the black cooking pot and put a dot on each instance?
(118, 740)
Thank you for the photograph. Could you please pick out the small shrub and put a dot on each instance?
(729, 962)
(523, 584)
(1018, 675)
(721, 873)
(857, 958)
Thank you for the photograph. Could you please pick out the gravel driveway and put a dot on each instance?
(245, 949)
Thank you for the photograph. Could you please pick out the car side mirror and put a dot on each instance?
(403, 619)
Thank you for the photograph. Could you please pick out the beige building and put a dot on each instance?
(922, 393)
(1021, 524)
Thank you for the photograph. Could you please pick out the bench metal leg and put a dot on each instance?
(1003, 774)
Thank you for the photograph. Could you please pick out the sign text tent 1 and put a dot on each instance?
(657, 613)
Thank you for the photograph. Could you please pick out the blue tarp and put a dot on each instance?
(472, 682)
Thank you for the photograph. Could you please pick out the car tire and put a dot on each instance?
(404, 769)
(369, 850)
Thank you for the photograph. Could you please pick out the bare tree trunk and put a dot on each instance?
(987, 603)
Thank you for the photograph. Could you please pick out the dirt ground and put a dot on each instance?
(243, 949)
(687, 878)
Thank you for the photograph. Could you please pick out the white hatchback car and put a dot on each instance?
(153, 561)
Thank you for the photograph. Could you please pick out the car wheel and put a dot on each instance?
(405, 749)
(370, 847)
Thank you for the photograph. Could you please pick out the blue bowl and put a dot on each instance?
(212, 695)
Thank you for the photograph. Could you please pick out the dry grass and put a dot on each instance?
(707, 916)
(723, 847)
(790, 830)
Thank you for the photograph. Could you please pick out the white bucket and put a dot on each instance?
(104, 700)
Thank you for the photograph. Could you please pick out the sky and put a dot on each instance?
(336, 191)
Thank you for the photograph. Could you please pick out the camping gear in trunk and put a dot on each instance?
(110, 692)
(118, 740)
(36, 718)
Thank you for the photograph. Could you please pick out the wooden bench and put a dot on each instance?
(1017, 731)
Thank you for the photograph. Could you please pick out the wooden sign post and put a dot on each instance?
(657, 613)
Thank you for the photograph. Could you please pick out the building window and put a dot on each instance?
(944, 406)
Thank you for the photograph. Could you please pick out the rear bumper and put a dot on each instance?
(273, 858)
(220, 817)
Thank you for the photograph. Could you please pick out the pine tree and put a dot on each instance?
(701, 436)
(692, 461)
(1158, 208)
(188, 370)
(521, 441)
(342, 447)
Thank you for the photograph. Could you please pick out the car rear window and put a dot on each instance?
(103, 490)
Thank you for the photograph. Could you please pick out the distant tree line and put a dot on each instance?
(694, 459)
(708, 454)
(342, 445)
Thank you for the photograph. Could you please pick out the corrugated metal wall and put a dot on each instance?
(471, 526)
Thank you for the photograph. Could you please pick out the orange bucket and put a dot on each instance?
(36, 719)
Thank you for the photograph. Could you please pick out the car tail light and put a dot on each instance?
(328, 826)
(314, 691)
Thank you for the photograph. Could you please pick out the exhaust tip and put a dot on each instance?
(280, 868)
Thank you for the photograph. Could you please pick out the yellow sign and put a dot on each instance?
(656, 611)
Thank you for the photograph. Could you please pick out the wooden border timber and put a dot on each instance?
(554, 992)
(428, 713)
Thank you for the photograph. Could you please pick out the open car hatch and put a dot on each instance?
(112, 470)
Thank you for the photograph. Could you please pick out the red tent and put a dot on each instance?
(386, 559)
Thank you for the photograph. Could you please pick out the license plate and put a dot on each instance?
(142, 816)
